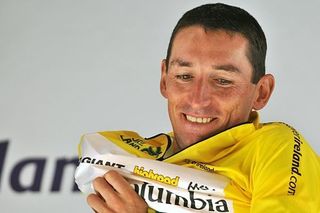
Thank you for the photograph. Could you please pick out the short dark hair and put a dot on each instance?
(231, 19)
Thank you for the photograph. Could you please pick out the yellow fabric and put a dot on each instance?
(152, 148)
(271, 166)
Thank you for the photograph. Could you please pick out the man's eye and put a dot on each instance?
(184, 77)
(223, 82)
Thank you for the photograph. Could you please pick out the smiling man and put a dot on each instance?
(214, 80)
(208, 81)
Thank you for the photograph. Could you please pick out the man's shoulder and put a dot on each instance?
(276, 130)
(282, 138)
(275, 136)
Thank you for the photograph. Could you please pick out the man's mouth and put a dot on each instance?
(200, 120)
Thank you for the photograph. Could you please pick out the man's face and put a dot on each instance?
(207, 83)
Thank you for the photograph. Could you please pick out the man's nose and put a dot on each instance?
(200, 95)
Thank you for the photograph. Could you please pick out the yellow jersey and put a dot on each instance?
(271, 167)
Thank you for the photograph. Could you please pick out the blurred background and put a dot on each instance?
(71, 67)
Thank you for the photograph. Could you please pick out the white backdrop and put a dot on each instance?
(72, 67)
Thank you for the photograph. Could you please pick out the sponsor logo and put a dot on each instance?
(100, 162)
(199, 187)
(152, 148)
(200, 165)
(134, 142)
(157, 177)
(164, 197)
(39, 165)
(156, 151)
(296, 160)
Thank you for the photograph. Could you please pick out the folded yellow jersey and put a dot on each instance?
(252, 167)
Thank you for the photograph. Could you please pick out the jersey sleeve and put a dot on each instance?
(286, 176)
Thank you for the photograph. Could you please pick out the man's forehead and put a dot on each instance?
(197, 34)
(180, 62)
(224, 41)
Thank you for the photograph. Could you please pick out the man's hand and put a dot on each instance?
(114, 194)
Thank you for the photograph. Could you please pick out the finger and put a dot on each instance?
(119, 183)
(105, 190)
(97, 204)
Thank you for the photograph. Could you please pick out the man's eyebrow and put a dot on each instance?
(180, 62)
(226, 67)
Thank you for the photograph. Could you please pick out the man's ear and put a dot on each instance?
(265, 87)
(163, 80)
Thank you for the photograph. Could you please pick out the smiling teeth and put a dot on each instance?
(198, 120)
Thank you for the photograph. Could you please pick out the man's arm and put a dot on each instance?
(114, 194)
